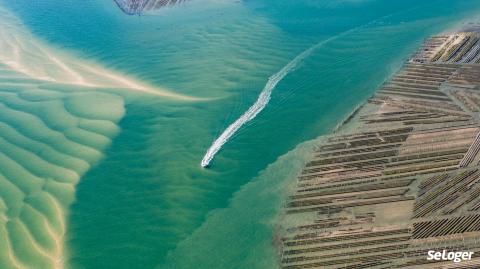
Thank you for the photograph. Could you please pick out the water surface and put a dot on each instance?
(148, 203)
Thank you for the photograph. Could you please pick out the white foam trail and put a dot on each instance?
(265, 97)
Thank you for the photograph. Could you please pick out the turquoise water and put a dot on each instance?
(148, 204)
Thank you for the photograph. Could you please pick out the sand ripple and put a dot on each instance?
(49, 138)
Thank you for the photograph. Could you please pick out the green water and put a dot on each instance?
(147, 203)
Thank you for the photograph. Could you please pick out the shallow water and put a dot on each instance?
(148, 203)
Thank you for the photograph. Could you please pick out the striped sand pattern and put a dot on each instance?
(49, 138)
(54, 126)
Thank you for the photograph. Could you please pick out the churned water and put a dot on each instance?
(147, 202)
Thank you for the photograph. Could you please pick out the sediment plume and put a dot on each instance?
(401, 177)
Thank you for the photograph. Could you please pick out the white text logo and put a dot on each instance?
(455, 256)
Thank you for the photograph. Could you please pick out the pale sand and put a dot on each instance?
(26, 54)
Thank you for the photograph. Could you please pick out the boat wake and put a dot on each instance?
(265, 96)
